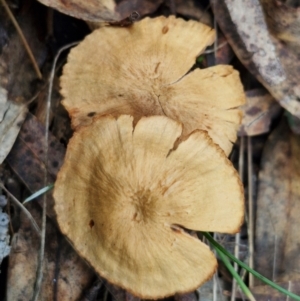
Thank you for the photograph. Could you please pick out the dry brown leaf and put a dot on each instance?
(278, 208)
(27, 158)
(244, 25)
(265, 292)
(259, 110)
(192, 9)
(16, 71)
(103, 10)
(13, 117)
(4, 236)
(283, 18)
(27, 161)
(224, 53)
(16, 76)
(65, 276)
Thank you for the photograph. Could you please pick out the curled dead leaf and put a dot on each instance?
(103, 10)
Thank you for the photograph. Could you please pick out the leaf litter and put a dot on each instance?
(274, 184)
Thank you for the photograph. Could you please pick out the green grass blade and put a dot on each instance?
(236, 276)
(247, 268)
(38, 193)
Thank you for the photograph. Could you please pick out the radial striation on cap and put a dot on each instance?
(126, 198)
(144, 70)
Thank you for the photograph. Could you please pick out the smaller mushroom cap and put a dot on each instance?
(125, 196)
(144, 69)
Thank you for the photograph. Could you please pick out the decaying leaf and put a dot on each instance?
(103, 10)
(65, 274)
(13, 117)
(4, 237)
(244, 26)
(265, 292)
(16, 71)
(283, 18)
(192, 9)
(16, 76)
(278, 208)
(27, 158)
(3, 102)
(259, 110)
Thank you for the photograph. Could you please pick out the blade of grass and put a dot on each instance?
(247, 268)
(236, 276)
(38, 193)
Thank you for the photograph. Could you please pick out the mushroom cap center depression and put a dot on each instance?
(142, 203)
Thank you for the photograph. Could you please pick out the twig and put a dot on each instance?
(215, 48)
(250, 209)
(91, 294)
(19, 30)
(25, 211)
(39, 276)
(238, 236)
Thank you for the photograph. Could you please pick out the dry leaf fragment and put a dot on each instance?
(66, 275)
(192, 9)
(283, 18)
(12, 116)
(27, 158)
(130, 196)
(4, 237)
(143, 70)
(103, 10)
(259, 110)
(27, 161)
(278, 208)
(244, 25)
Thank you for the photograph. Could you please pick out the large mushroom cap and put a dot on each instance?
(144, 69)
(124, 197)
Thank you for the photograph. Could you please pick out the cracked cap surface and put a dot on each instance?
(124, 196)
(142, 70)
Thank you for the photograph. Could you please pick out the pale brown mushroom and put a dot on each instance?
(144, 69)
(125, 196)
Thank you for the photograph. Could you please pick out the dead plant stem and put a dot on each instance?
(237, 236)
(22, 207)
(39, 276)
(23, 39)
(250, 210)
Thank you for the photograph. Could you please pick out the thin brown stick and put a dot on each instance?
(250, 210)
(27, 48)
(237, 236)
(10, 219)
(39, 277)
(21, 206)
(215, 295)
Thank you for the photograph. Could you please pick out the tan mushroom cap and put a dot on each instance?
(124, 196)
(143, 70)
